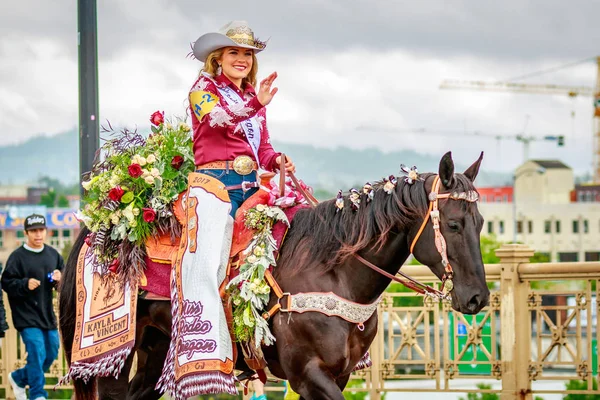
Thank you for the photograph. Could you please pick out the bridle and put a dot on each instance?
(440, 243)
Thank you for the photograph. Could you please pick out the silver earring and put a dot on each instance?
(219, 70)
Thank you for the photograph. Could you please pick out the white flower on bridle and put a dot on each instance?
(412, 174)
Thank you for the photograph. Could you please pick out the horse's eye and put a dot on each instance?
(454, 226)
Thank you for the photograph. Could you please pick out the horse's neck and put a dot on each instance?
(365, 284)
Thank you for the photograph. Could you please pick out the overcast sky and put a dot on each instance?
(359, 73)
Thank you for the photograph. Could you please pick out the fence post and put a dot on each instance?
(516, 323)
(376, 358)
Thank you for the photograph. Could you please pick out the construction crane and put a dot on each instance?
(571, 91)
(520, 137)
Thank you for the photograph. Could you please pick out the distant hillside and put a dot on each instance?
(328, 169)
(55, 156)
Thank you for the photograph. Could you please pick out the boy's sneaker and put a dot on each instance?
(18, 390)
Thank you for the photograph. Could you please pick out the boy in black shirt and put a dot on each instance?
(31, 274)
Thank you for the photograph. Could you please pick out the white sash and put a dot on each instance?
(250, 126)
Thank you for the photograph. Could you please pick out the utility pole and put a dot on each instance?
(596, 126)
(87, 42)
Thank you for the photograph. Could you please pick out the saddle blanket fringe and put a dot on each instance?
(104, 323)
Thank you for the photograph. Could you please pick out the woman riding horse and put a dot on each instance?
(325, 252)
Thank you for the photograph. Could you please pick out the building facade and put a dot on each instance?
(548, 213)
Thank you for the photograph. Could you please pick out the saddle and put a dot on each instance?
(162, 250)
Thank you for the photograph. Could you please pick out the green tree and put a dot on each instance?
(62, 201)
(489, 244)
(49, 199)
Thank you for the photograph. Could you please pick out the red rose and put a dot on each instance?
(157, 118)
(114, 266)
(116, 193)
(177, 162)
(88, 240)
(148, 214)
(135, 170)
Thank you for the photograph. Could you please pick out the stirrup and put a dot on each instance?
(246, 375)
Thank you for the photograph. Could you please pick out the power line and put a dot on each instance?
(546, 71)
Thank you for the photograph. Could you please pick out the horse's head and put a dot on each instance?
(460, 226)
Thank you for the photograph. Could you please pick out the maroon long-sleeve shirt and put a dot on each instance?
(218, 134)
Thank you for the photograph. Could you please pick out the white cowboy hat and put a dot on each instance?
(234, 34)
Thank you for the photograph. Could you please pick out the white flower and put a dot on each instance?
(142, 161)
(155, 172)
(151, 159)
(86, 185)
(128, 212)
(133, 223)
(136, 211)
(149, 180)
(251, 259)
(261, 207)
(114, 219)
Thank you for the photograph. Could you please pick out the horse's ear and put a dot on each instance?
(446, 170)
(473, 170)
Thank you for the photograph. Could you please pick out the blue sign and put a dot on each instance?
(63, 218)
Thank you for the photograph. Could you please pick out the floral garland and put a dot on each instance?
(411, 175)
(129, 195)
(249, 290)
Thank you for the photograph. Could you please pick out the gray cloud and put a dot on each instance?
(387, 56)
(516, 29)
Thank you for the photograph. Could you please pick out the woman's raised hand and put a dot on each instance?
(265, 93)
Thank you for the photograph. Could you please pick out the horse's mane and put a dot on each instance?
(328, 236)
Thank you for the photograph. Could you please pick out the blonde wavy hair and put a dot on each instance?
(212, 64)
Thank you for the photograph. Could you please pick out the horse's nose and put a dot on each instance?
(477, 302)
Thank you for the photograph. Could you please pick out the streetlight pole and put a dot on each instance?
(540, 171)
(89, 136)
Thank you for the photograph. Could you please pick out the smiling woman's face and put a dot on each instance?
(236, 63)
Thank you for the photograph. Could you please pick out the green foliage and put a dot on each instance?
(137, 183)
(357, 383)
(489, 244)
(581, 385)
(48, 199)
(482, 396)
(540, 258)
(62, 201)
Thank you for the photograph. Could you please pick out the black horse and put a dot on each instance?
(317, 353)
